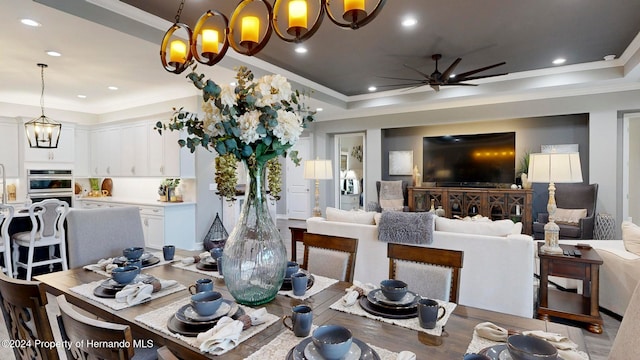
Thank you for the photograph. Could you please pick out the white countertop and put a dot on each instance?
(127, 200)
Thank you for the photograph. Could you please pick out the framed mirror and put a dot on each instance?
(350, 178)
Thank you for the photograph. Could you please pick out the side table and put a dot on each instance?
(297, 234)
(568, 305)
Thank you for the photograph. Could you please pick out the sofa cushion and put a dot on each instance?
(569, 216)
(350, 216)
(490, 228)
(391, 197)
(631, 237)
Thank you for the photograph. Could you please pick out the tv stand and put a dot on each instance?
(494, 203)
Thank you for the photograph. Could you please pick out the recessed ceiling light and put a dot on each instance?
(232, 84)
(301, 49)
(559, 61)
(82, 96)
(409, 22)
(452, 76)
(372, 88)
(609, 57)
(29, 22)
(53, 53)
(112, 88)
(319, 109)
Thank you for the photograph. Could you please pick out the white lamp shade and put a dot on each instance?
(318, 169)
(554, 167)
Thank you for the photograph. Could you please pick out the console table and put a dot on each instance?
(498, 204)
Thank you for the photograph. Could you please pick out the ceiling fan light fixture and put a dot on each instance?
(42, 132)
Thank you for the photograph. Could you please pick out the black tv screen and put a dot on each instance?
(480, 160)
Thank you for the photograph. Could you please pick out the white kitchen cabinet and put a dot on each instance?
(166, 158)
(105, 152)
(82, 146)
(64, 153)
(153, 226)
(9, 149)
(134, 151)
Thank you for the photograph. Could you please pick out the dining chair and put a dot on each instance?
(81, 332)
(625, 343)
(6, 215)
(23, 307)
(330, 256)
(429, 272)
(94, 234)
(165, 354)
(47, 230)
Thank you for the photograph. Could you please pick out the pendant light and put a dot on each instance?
(43, 132)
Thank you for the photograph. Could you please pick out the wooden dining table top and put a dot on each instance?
(452, 344)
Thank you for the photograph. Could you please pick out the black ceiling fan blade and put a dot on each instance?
(465, 74)
(416, 84)
(458, 84)
(427, 76)
(481, 77)
(445, 75)
(399, 78)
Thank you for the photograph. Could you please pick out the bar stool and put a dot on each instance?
(6, 215)
(47, 221)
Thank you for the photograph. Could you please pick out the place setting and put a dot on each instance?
(206, 263)
(394, 303)
(207, 320)
(301, 284)
(127, 285)
(305, 341)
(492, 342)
(133, 254)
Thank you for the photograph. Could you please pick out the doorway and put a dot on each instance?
(350, 171)
(298, 188)
(631, 168)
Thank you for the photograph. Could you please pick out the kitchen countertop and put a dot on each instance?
(126, 200)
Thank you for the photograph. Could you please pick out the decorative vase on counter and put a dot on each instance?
(254, 256)
(526, 184)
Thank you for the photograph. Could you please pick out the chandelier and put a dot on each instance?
(251, 25)
(42, 132)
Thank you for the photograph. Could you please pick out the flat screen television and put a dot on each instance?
(479, 160)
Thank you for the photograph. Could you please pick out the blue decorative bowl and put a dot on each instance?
(524, 347)
(125, 274)
(393, 290)
(133, 253)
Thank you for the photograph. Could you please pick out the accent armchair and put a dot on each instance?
(572, 196)
(390, 193)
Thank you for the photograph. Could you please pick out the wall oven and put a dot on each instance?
(50, 184)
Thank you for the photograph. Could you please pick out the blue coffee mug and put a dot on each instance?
(299, 283)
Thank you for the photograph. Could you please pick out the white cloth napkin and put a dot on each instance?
(350, 298)
(258, 316)
(222, 337)
(567, 349)
(192, 259)
(406, 355)
(102, 265)
(366, 288)
(134, 294)
(491, 331)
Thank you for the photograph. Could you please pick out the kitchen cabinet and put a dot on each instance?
(9, 149)
(82, 163)
(162, 224)
(166, 158)
(64, 153)
(134, 150)
(105, 152)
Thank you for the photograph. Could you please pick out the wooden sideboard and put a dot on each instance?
(494, 203)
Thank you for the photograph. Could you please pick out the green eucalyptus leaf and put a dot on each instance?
(246, 151)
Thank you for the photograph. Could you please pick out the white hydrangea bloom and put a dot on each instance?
(288, 129)
(212, 121)
(248, 123)
(228, 96)
(272, 89)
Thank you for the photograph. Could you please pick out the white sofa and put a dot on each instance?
(497, 271)
(619, 274)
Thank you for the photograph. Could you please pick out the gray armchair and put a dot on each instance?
(572, 196)
(375, 206)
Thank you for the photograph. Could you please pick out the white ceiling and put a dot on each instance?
(96, 56)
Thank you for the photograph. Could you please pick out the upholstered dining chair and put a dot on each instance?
(23, 307)
(429, 272)
(6, 215)
(78, 329)
(627, 336)
(47, 230)
(94, 234)
(330, 256)
(165, 354)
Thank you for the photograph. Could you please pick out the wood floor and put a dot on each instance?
(598, 345)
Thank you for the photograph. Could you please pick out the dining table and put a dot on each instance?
(451, 344)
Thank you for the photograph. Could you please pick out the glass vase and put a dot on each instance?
(254, 257)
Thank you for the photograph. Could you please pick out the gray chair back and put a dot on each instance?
(94, 234)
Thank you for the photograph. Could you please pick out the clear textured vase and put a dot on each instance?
(254, 257)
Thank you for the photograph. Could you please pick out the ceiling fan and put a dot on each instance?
(447, 78)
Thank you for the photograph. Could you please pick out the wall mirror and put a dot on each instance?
(350, 177)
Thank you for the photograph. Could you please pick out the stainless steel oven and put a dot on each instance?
(50, 184)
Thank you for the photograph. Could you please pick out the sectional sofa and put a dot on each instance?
(498, 267)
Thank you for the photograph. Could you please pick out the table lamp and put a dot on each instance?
(553, 168)
(317, 170)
